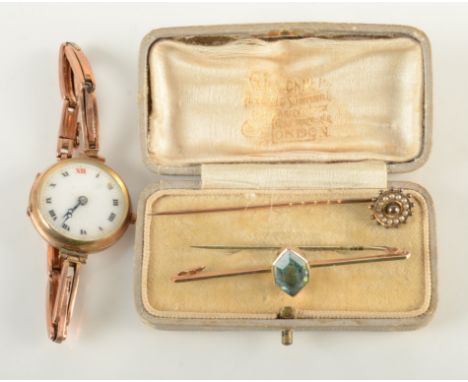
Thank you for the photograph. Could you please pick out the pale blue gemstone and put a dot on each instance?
(291, 272)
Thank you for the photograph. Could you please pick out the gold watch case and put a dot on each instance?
(57, 239)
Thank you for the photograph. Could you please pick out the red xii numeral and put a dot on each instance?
(81, 170)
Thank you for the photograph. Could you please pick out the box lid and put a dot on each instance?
(285, 93)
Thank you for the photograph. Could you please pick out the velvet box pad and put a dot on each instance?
(282, 115)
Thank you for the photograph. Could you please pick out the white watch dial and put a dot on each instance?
(83, 201)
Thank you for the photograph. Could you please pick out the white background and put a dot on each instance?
(107, 338)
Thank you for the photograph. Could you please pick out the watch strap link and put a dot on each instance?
(64, 276)
(79, 123)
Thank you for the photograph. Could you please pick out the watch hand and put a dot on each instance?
(70, 211)
(66, 218)
(82, 200)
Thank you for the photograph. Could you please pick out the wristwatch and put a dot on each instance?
(79, 205)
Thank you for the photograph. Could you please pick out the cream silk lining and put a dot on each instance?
(365, 174)
(306, 99)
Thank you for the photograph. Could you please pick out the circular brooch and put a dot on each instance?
(391, 208)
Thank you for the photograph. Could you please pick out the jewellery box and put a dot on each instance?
(276, 136)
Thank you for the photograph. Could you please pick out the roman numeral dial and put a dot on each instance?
(83, 201)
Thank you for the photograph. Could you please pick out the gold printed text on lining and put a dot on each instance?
(285, 109)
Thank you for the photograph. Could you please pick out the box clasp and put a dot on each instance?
(287, 312)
